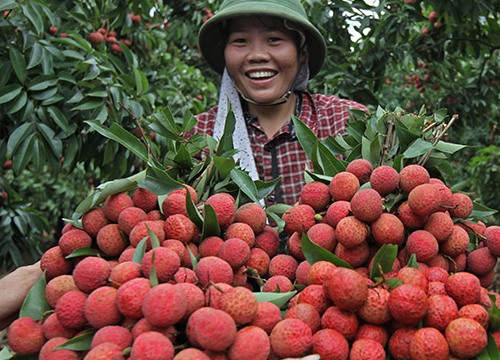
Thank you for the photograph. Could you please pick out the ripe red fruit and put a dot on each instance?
(96, 37)
(433, 16)
(7, 164)
(116, 48)
(25, 336)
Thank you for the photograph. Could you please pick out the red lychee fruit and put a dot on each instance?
(344, 321)
(101, 308)
(73, 240)
(375, 310)
(291, 338)
(152, 345)
(52, 328)
(316, 296)
(241, 231)
(492, 235)
(195, 298)
(413, 276)
(346, 288)
(235, 252)
(388, 229)
(299, 219)
(384, 179)
(481, 261)
(268, 240)
(410, 220)
(375, 332)
(351, 232)
(70, 309)
(250, 343)
(277, 283)
(165, 262)
(307, 313)
(356, 256)
(337, 211)
(476, 312)
(174, 204)
(224, 207)
(466, 338)
(191, 354)
(110, 240)
(252, 214)
(115, 204)
(91, 273)
(343, 186)
(412, 175)
(96, 37)
(212, 268)
(424, 199)
(439, 224)
(442, 310)
(185, 275)
(124, 271)
(315, 194)
(48, 352)
(180, 227)
(461, 206)
(366, 349)
(130, 217)
(408, 304)
(283, 264)
(434, 273)
(213, 293)
(367, 205)
(259, 261)
(330, 345)
(210, 246)
(164, 305)
(362, 168)
(464, 288)
(190, 189)
(267, 316)
(399, 342)
(323, 234)
(57, 287)
(145, 199)
(320, 271)
(93, 220)
(240, 303)
(423, 244)
(457, 243)
(25, 336)
(130, 296)
(140, 231)
(211, 329)
(115, 334)
(142, 325)
(429, 343)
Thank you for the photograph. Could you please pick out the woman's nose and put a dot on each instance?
(258, 51)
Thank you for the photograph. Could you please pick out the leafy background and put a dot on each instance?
(54, 83)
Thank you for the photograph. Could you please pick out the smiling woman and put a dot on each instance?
(266, 52)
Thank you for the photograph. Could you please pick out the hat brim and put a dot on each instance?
(211, 41)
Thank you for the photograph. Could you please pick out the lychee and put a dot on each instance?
(213, 269)
(145, 199)
(70, 309)
(252, 214)
(240, 303)
(466, 338)
(384, 179)
(323, 234)
(492, 235)
(57, 287)
(130, 296)
(130, 217)
(174, 204)
(442, 310)
(268, 240)
(316, 296)
(412, 175)
(320, 271)
(408, 304)
(115, 334)
(291, 338)
(152, 345)
(101, 309)
(235, 252)
(351, 232)
(210, 246)
(165, 263)
(258, 261)
(307, 313)
(212, 329)
(367, 205)
(337, 211)
(140, 231)
(362, 168)
(343, 186)
(93, 220)
(91, 273)
(375, 310)
(424, 199)
(455, 244)
(164, 305)
(111, 240)
(366, 349)
(25, 336)
(48, 351)
(224, 207)
(283, 264)
(439, 224)
(481, 261)
(464, 288)
(180, 227)
(461, 206)
(277, 283)
(410, 219)
(124, 271)
(356, 256)
(388, 229)
(115, 204)
(299, 219)
(423, 244)
(344, 321)
(73, 240)
(429, 343)
(267, 316)
(52, 328)
(375, 332)
(250, 343)
(346, 288)
(315, 194)
(330, 345)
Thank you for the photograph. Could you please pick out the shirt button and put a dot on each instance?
(267, 147)
(271, 198)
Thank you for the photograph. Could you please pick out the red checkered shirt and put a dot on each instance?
(282, 155)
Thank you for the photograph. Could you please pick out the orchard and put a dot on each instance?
(149, 252)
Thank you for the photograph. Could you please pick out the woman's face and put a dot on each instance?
(262, 57)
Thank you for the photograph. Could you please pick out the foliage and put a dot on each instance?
(55, 82)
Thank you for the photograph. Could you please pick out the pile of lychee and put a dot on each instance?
(144, 281)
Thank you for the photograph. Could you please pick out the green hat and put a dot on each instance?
(211, 41)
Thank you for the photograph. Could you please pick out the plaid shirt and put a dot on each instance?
(282, 155)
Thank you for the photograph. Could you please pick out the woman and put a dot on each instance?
(266, 52)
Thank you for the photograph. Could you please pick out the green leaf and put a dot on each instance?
(88, 105)
(329, 163)
(61, 121)
(491, 352)
(314, 252)
(8, 5)
(35, 304)
(481, 211)
(226, 140)
(153, 278)
(194, 260)
(383, 260)
(84, 252)
(417, 148)
(159, 182)
(306, 137)
(5, 354)
(141, 82)
(34, 17)
(140, 250)
(42, 82)
(18, 104)
(18, 63)
(155, 242)
(278, 299)
(193, 213)
(245, 183)
(412, 262)
(265, 188)
(36, 55)
(123, 137)
(210, 222)
(80, 342)
(9, 93)
(449, 148)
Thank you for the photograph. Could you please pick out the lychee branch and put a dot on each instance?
(439, 136)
